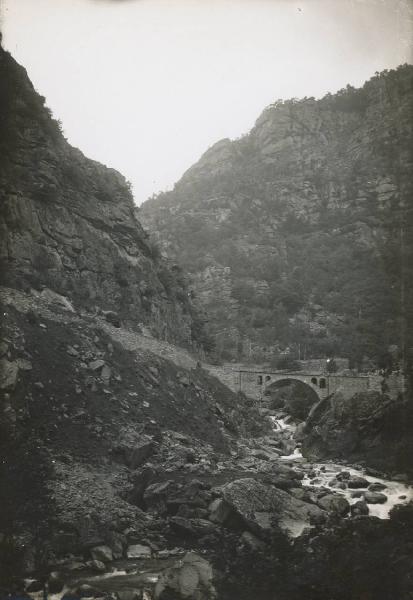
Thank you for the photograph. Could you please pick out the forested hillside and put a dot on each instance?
(298, 236)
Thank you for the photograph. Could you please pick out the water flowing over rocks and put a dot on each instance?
(350, 484)
(362, 428)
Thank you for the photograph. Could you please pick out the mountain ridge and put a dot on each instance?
(289, 224)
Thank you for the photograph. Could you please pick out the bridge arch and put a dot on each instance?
(292, 394)
(284, 381)
(255, 383)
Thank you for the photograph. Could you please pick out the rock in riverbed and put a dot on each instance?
(356, 482)
(262, 507)
(375, 497)
(190, 578)
(334, 503)
(359, 508)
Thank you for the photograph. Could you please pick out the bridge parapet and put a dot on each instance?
(246, 380)
(255, 383)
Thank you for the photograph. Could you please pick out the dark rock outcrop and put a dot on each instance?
(67, 223)
(262, 507)
(334, 503)
(373, 558)
(369, 427)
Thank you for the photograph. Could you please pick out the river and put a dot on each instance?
(320, 478)
(324, 474)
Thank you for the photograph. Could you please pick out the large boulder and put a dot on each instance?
(360, 508)
(102, 554)
(262, 507)
(376, 486)
(374, 497)
(356, 429)
(190, 578)
(334, 503)
(355, 482)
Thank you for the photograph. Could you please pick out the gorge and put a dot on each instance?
(132, 467)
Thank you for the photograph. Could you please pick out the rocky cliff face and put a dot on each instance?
(370, 427)
(93, 409)
(91, 415)
(67, 223)
(299, 232)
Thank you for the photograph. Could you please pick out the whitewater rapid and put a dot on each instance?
(323, 473)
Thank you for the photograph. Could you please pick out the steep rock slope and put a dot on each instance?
(67, 223)
(369, 428)
(88, 394)
(80, 412)
(299, 233)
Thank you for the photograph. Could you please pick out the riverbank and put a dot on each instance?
(241, 506)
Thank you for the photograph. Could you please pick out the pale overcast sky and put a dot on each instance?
(146, 86)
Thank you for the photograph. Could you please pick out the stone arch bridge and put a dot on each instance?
(255, 383)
